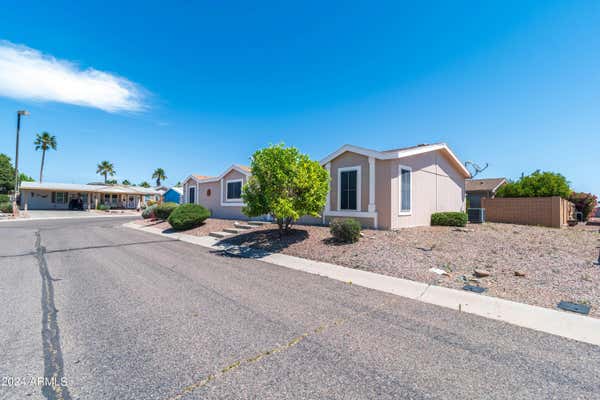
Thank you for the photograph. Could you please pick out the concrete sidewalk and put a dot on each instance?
(572, 326)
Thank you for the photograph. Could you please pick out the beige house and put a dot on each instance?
(222, 194)
(382, 189)
(394, 189)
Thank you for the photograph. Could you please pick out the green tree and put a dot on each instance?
(25, 178)
(126, 182)
(285, 184)
(7, 174)
(44, 141)
(538, 184)
(111, 182)
(145, 184)
(106, 168)
(159, 175)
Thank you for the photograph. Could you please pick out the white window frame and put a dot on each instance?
(227, 182)
(358, 170)
(400, 168)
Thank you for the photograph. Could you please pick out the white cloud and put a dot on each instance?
(26, 73)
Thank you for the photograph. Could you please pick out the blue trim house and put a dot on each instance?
(173, 195)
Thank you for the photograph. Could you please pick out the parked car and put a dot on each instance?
(76, 204)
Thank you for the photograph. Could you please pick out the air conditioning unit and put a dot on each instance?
(476, 215)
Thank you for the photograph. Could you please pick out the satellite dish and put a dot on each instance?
(475, 169)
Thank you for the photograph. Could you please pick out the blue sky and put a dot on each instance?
(193, 87)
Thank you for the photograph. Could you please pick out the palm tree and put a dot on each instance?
(145, 184)
(159, 175)
(44, 141)
(106, 168)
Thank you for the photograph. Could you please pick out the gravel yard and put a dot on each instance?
(557, 263)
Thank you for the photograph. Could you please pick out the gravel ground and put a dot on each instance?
(557, 263)
(210, 225)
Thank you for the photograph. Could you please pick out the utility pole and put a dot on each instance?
(15, 209)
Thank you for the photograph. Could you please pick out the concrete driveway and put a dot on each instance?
(113, 313)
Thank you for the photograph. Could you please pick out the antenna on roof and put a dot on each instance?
(475, 169)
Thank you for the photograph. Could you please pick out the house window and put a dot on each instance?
(59, 197)
(349, 188)
(234, 190)
(208, 192)
(192, 196)
(405, 190)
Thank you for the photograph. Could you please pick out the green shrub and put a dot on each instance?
(538, 184)
(346, 230)
(4, 198)
(103, 207)
(164, 210)
(6, 207)
(188, 216)
(449, 219)
(149, 212)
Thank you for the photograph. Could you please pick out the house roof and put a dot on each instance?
(484, 185)
(177, 189)
(200, 177)
(76, 187)
(399, 153)
(204, 179)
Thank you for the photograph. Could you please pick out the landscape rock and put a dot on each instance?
(519, 273)
(480, 273)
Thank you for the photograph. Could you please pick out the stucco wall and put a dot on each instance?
(436, 186)
(40, 200)
(349, 159)
(232, 175)
(217, 197)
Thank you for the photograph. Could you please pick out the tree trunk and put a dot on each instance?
(42, 166)
(105, 175)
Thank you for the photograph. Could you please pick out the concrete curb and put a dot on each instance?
(571, 326)
(77, 217)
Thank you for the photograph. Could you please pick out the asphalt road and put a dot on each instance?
(113, 313)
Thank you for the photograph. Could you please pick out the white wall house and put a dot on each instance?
(58, 196)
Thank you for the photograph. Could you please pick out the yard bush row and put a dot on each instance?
(4, 198)
(449, 219)
(188, 216)
(163, 210)
(6, 207)
(345, 230)
(149, 212)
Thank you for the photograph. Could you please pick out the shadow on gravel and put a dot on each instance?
(257, 244)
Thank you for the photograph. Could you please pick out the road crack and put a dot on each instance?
(54, 387)
(275, 350)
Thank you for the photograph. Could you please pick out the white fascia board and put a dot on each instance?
(427, 149)
(220, 177)
(502, 182)
(353, 149)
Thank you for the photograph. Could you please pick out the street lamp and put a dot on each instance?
(19, 114)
